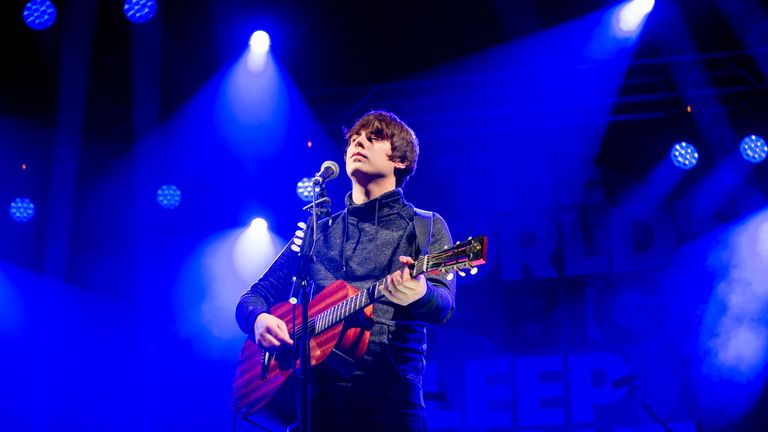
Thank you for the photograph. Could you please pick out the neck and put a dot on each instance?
(364, 192)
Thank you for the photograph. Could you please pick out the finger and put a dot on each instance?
(397, 278)
(406, 260)
(414, 285)
(394, 294)
(282, 334)
(410, 284)
(268, 341)
(387, 291)
(406, 274)
(393, 284)
(284, 339)
(283, 328)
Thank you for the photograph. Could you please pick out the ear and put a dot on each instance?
(400, 165)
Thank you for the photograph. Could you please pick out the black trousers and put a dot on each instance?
(342, 412)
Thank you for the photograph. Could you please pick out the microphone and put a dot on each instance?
(328, 171)
(625, 381)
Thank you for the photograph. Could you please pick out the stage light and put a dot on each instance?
(140, 11)
(754, 149)
(169, 197)
(39, 14)
(304, 189)
(22, 209)
(684, 155)
(259, 225)
(260, 42)
(631, 16)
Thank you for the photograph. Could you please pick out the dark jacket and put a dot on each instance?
(361, 246)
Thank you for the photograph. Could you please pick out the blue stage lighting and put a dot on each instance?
(22, 209)
(631, 15)
(304, 189)
(754, 149)
(684, 155)
(39, 14)
(259, 225)
(260, 42)
(140, 11)
(169, 197)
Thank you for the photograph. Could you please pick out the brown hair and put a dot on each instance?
(405, 145)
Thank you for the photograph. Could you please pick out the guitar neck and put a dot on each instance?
(361, 300)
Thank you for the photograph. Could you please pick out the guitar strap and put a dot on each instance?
(423, 224)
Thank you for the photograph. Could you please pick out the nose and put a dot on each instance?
(360, 141)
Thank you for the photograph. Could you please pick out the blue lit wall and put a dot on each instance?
(659, 280)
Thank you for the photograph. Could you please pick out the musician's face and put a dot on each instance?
(367, 158)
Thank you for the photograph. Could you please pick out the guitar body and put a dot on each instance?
(253, 389)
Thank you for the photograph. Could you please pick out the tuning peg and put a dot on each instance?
(473, 271)
(450, 276)
(295, 248)
(302, 225)
(461, 273)
(298, 241)
(299, 233)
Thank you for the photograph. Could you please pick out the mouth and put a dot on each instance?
(357, 154)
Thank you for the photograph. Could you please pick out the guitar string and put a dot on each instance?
(324, 321)
(339, 311)
(341, 307)
(447, 253)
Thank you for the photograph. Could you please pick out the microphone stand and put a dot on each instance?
(302, 282)
(632, 391)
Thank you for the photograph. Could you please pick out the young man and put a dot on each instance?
(374, 238)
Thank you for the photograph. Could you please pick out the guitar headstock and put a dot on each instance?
(466, 255)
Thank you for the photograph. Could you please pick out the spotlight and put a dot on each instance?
(22, 209)
(39, 14)
(259, 225)
(260, 42)
(140, 11)
(631, 15)
(754, 149)
(304, 189)
(169, 197)
(684, 155)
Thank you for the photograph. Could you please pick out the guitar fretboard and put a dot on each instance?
(361, 300)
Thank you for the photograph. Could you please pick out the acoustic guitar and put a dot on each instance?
(334, 325)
